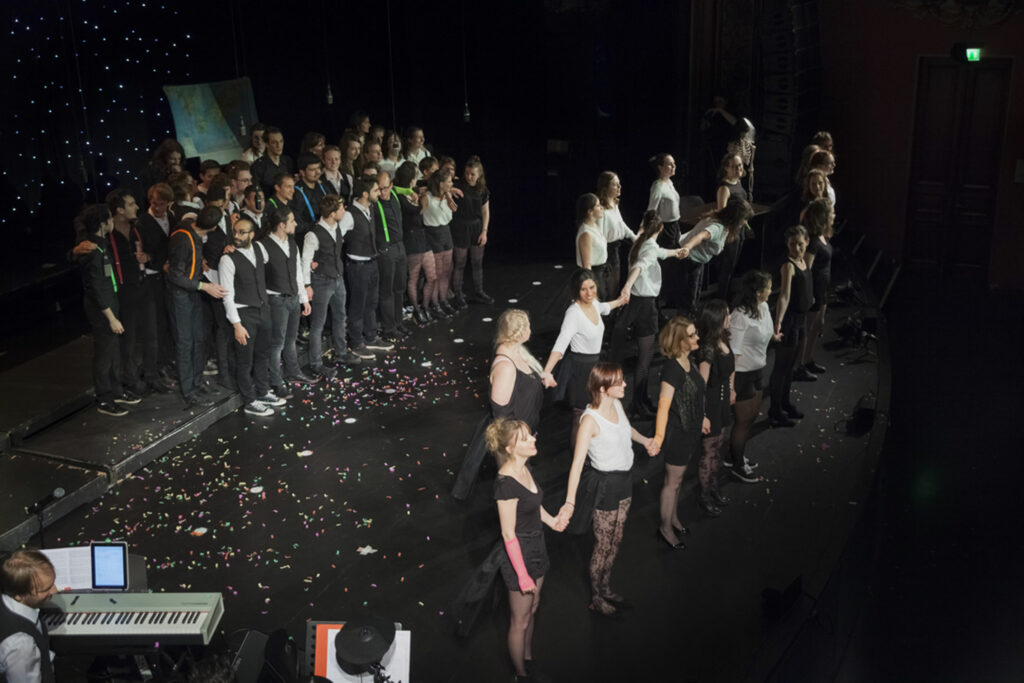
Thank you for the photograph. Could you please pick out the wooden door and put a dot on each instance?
(960, 118)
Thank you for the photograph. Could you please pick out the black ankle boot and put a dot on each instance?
(707, 507)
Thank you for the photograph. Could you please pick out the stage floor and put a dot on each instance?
(341, 500)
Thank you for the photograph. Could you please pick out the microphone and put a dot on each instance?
(38, 506)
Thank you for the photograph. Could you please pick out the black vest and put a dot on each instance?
(11, 623)
(328, 254)
(361, 241)
(250, 281)
(280, 268)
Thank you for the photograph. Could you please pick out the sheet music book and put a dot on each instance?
(73, 567)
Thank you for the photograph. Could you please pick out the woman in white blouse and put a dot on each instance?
(579, 341)
(615, 230)
(600, 495)
(664, 198)
(642, 289)
(438, 204)
(591, 245)
(751, 329)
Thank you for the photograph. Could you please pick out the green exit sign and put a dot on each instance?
(973, 54)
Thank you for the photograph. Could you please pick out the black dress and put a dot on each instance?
(686, 415)
(821, 271)
(716, 406)
(800, 297)
(529, 531)
(526, 399)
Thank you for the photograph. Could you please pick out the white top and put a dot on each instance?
(226, 271)
(256, 218)
(612, 449)
(437, 213)
(648, 283)
(831, 191)
(578, 333)
(249, 156)
(417, 157)
(709, 248)
(598, 245)
(390, 166)
(613, 227)
(310, 243)
(286, 248)
(19, 655)
(664, 199)
(748, 338)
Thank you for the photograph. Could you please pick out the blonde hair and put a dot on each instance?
(511, 325)
(502, 435)
(673, 337)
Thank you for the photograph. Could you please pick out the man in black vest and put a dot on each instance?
(27, 580)
(243, 274)
(285, 286)
(185, 283)
(323, 272)
(362, 272)
(392, 260)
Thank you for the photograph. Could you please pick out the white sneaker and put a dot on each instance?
(271, 399)
(258, 409)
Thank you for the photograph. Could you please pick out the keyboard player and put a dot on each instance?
(27, 580)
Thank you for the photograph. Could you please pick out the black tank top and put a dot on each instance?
(526, 400)
(736, 190)
(800, 293)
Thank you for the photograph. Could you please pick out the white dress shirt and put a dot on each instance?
(311, 242)
(19, 655)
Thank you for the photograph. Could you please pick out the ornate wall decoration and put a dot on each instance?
(968, 13)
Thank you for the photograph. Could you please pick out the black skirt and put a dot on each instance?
(680, 446)
(598, 491)
(535, 557)
(439, 238)
(573, 373)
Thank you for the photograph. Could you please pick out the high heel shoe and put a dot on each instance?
(613, 615)
(618, 601)
(681, 530)
(678, 545)
(719, 499)
(792, 412)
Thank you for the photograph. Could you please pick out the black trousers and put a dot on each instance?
(393, 268)
(786, 354)
(106, 355)
(363, 290)
(252, 361)
(129, 301)
(186, 308)
(155, 340)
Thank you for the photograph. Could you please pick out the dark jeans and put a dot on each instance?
(252, 361)
(186, 309)
(153, 329)
(363, 290)
(106, 355)
(393, 276)
(129, 299)
(786, 354)
(328, 293)
(284, 329)
(219, 333)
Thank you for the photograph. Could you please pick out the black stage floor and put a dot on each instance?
(342, 500)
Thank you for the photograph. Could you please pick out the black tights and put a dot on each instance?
(476, 258)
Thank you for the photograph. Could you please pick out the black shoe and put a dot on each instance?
(481, 297)
(301, 378)
(406, 332)
(197, 402)
(678, 545)
(719, 499)
(420, 315)
(447, 308)
(211, 368)
(159, 385)
(815, 367)
(708, 508)
(536, 673)
(802, 374)
(682, 530)
(378, 344)
(207, 390)
(792, 412)
(282, 391)
(321, 372)
(362, 352)
(127, 398)
(438, 313)
(618, 601)
(458, 302)
(111, 408)
(613, 615)
(776, 421)
(347, 361)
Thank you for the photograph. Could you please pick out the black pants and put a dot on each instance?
(252, 361)
(727, 261)
(689, 285)
(363, 290)
(219, 332)
(106, 355)
(786, 354)
(154, 334)
(129, 300)
(393, 275)
(187, 319)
